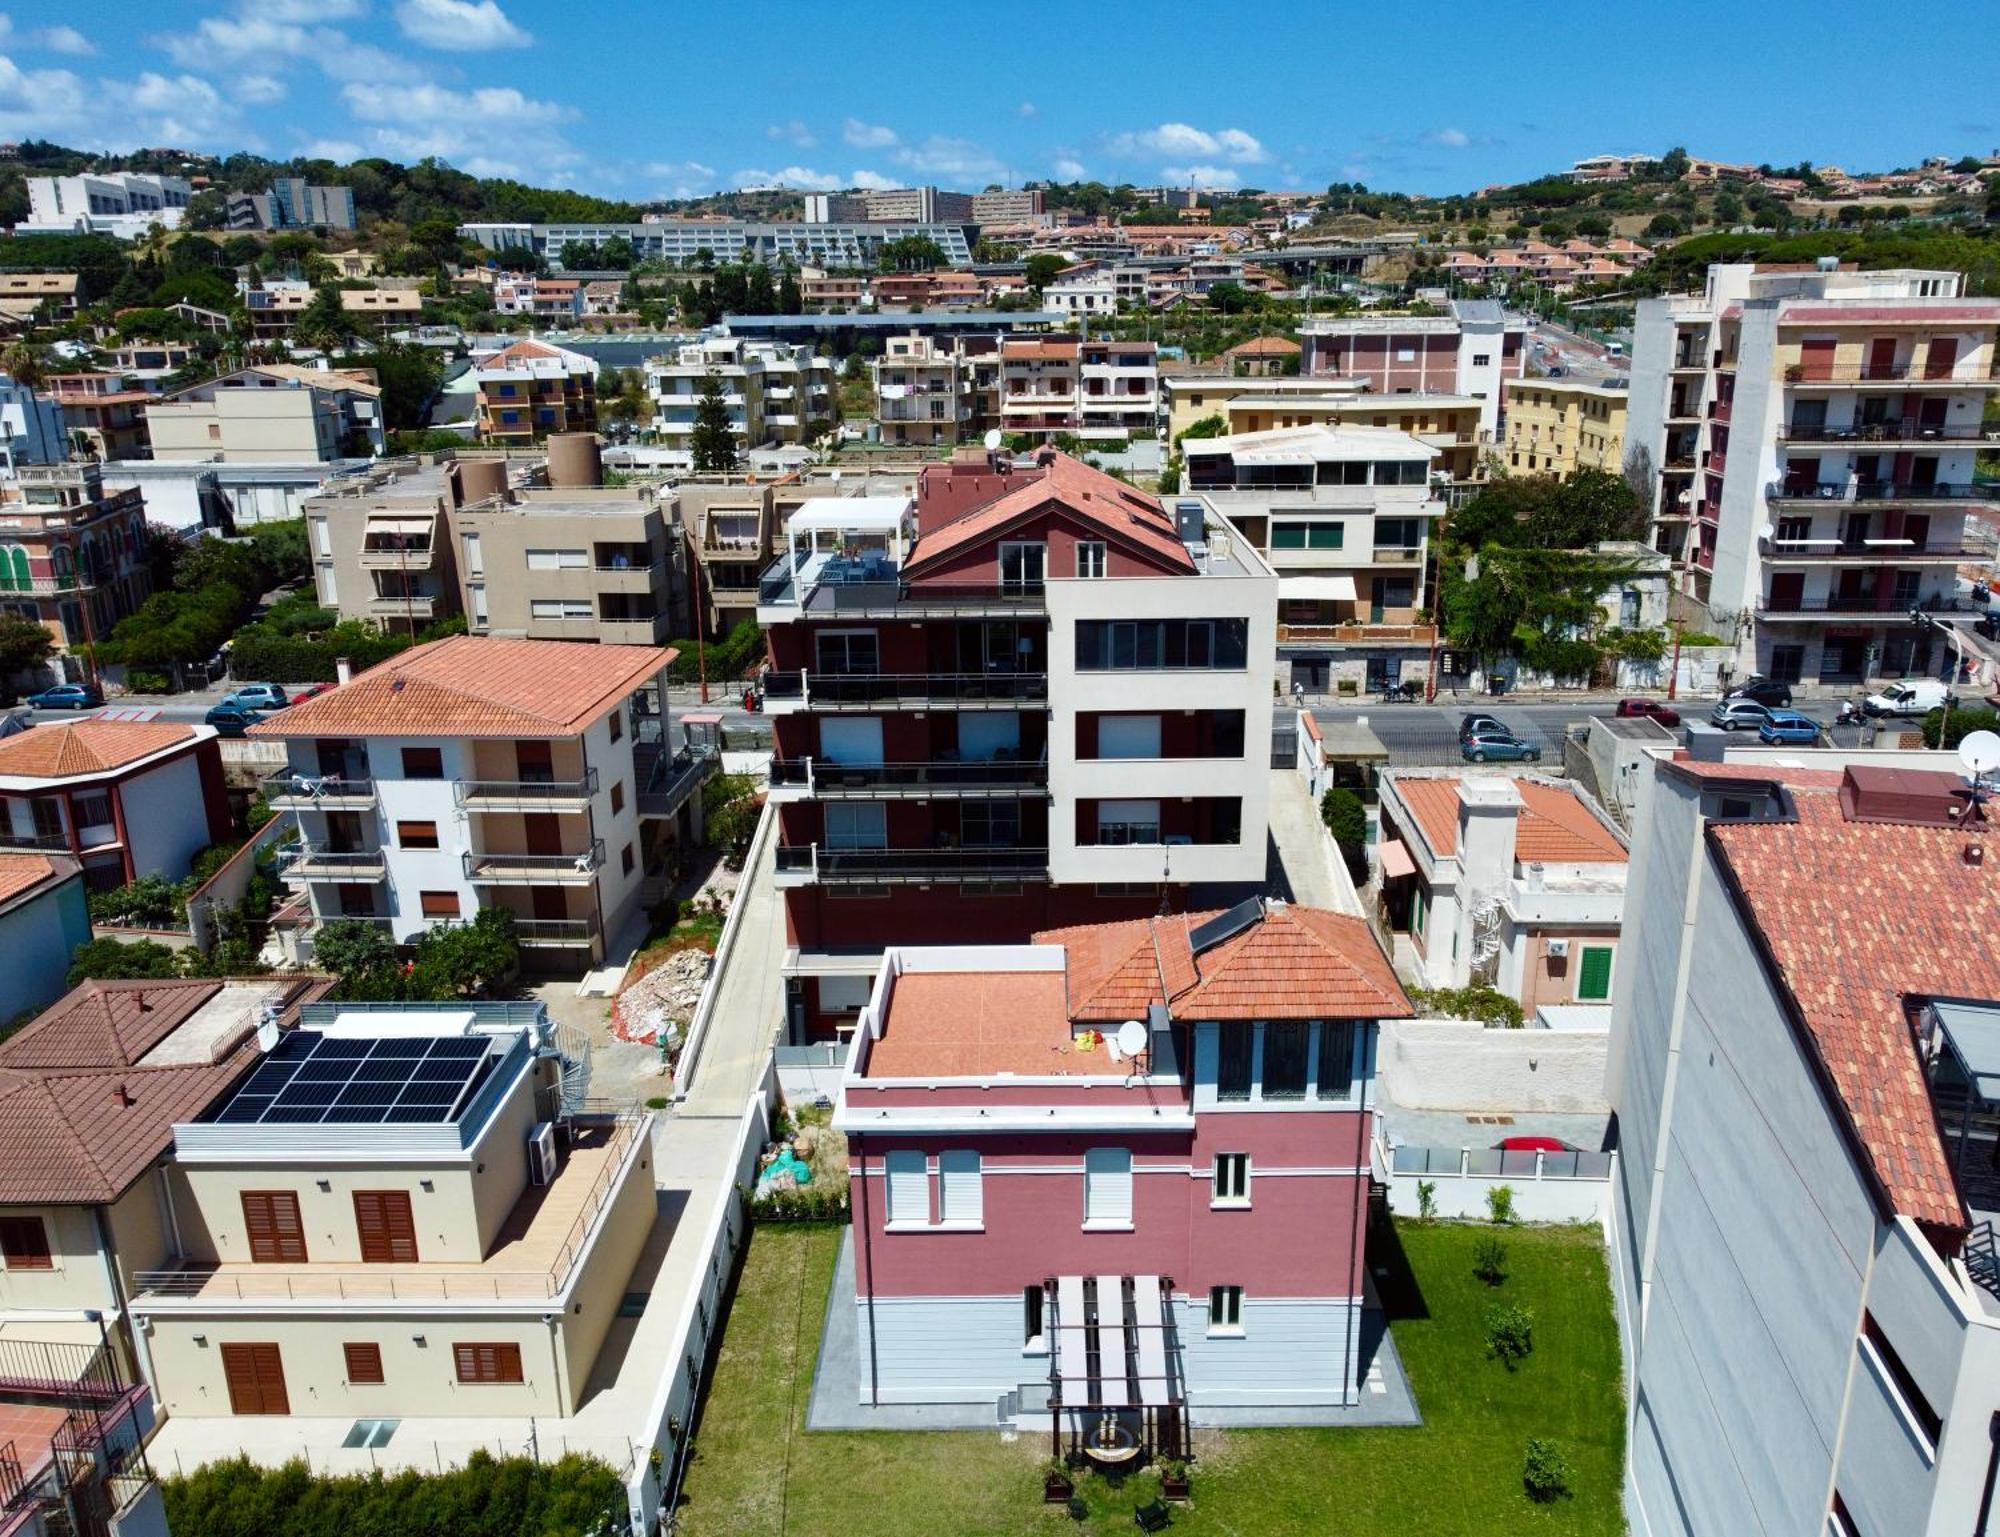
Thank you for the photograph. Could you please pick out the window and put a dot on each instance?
(1022, 567)
(479, 616)
(626, 860)
(990, 824)
(387, 1230)
(364, 1362)
(1034, 1340)
(857, 825)
(1107, 1187)
(909, 1188)
(1593, 974)
(618, 725)
(959, 1195)
(1481, 359)
(849, 652)
(1897, 1380)
(272, 1226)
(1336, 1058)
(417, 835)
(557, 560)
(1233, 1051)
(1232, 1180)
(1111, 645)
(439, 904)
(1128, 736)
(1127, 822)
(1090, 557)
(488, 1363)
(1285, 1060)
(1225, 1310)
(24, 1243)
(322, 539)
(617, 796)
(475, 560)
(559, 608)
(423, 763)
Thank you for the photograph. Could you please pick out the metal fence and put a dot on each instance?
(1499, 1163)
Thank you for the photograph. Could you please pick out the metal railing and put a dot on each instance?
(823, 864)
(1499, 1163)
(410, 1283)
(555, 931)
(312, 861)
(670, 780)
(1906, 431)
(60, 1370)
(490, 866)
(916, 688)
(821, 777)
(1882, 491)
(1859, 604)
(505, 794)
(291, 788)
(1788, 550)
(1874, 373)
(9, 839)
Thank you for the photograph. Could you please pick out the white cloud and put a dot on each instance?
(272, 36)
(678, 178)
(38, 103)
(459, 26)
(1185, 140)
(64, 40)
(1450, 138)
(867, 135)
(259, 90)
(318, 11)
(953, 159)
(872, 181)
(488, 107)
(342, 150)
(1026, 109)
(1069, 168)
(176, 109)
(1202, 176)
(798, 177)
(792, 132)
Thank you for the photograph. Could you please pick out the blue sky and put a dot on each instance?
(671, 99)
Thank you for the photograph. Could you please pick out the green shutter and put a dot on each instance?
(1593, 982)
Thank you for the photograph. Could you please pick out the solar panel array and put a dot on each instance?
(310, 1078)
(1225, 925)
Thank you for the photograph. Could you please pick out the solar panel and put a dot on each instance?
(270, 1078)
(295, 1045)
(399, 1049)
(293, 1114)
(310, 1077)
(1225, 925)
(458, 1048)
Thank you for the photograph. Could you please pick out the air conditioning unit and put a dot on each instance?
(1558, 950)
(542, 1153)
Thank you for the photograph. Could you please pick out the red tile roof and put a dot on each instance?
(1857, 918)
(973, 1024)
(1987, 313)
(477, 686)
(1132, 518)
(88, 747)
(1554, 826)
(22, 873)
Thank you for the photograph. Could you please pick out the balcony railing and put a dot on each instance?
(413, 557)
(293, 791)
(555, 932)
(820, 777)
(1882, 491)
(412, 605)
(1908, 431)
(1875, 552)
(820, 690)
(815, 862)
(9, 839)
(318, 862)
(1861, 603)
(1874, 373)
(520, 794)
(529, 868)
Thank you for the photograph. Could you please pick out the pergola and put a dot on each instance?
(1115, 1370)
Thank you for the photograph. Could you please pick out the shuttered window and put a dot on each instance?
(417, 835)
(1107, 1187)
(255, 1377)
(959, 1195)
(388, 1231)
(1233, 1046)
(1593, 976)
(488, 1363)
(24, 1241)
(364, 1362)
(909, 1187)
(271, 1223)
(1336, 1058)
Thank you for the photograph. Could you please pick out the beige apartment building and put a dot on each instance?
(380, 544)
(273, 413)
(1448, 424)
(570, 563)
(1560, 426)
(922, 391)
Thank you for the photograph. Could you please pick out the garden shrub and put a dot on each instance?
(141, 681)
(1510, 1334)
(1489, 1260)
(1500, 1205)
(1427, 1200)
(150, 902)
(1546, 1473)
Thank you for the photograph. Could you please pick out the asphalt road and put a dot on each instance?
(1578, 356)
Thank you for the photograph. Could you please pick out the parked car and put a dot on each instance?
(1919, 696)
(1789, 726)
(312, 691)
(257, 696)
(1500, 746)
(1650, 707)
(1470, 724)
(67, 696)
(230, 719)
(1768, 692)
(1738, 715)
(1534, 1145)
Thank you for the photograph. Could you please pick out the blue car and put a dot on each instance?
(68, 696)
(231, 720)
(1789, 726)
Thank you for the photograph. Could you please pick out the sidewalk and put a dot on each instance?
(1313, 871)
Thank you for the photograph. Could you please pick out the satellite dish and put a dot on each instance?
(1132, 1037)
(1980, 752)
(992, 439)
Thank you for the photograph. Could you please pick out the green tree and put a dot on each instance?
(105, 960)
(791, 299)
(1205, 427)
(409, 375)
(713, 441)
(351, 947)
(1346, 819)
(24, 644)
(27, 365)
(1043, 268)
(324, 323)
(912, 253)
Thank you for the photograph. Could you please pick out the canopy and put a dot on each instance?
(1340, 588)
(1395, 859)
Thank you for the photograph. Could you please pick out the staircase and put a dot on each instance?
(573, 1046)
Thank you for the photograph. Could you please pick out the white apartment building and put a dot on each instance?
(124, 204)
(1805, 1066)
(1344, 516)
(271, 413)
(923, 390)
(680, 242)
(772, 391)
(1472, 351)
(1086, 294)
(1813, 435)
(479, 772)
(1119, 389)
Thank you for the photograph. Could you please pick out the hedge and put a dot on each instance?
(270, 657)
(726, 658)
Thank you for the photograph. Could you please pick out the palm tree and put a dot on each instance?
(27, 365)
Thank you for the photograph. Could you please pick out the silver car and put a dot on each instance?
(1738, 715)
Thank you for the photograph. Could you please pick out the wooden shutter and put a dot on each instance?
(909, 1187)
(388, 1231)
(271, 1222)
(959, 1197)
(256, 1378)
(1594, 976)
(488, 1363)
(364, 1361)
(25, 1243)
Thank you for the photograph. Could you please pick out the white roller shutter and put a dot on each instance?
(909, 1187)
(1128, 736)
(1107, 1185)
(959, 1196)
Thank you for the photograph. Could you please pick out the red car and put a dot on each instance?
(311, 690)
(1652, 707)
(1533, 1145)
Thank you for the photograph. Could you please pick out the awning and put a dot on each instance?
(1340, 588)
(382, 525)
(1395, 859)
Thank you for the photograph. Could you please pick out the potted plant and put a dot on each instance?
(1057, 1485)
(1174, 1479)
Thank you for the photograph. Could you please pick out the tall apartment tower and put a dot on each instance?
(1812, 433)
(1033, 697)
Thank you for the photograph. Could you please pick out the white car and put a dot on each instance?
(1919, 696)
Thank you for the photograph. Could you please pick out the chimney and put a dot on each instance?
(343, 669)
(122, 1097)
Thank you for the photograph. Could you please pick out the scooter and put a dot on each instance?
(1849, 714)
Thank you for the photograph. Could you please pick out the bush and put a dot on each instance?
(1489, 1260)
(141, 681)
(1965, 719)
(448, 961)
(817, 1202)
(1500, 1205)
(150, 902)
(1346, 818)
(105, 960)
(725, 659)
(1546, 1473)
(1510, 1334)
(1479, 1001)
(1427, 1200)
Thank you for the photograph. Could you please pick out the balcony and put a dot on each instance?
(1859, 604)
(860, 691)
(526, 795)
(406, 606)
(1867, 552)
(817, 779)
(1721, 410)
(1873, 373)
(1355, 634)
(321, 862)
(814, 864)
(665, 783)
(556, 933)
(294, 791)
(1882, 491)
(410, 555)
(1398, 555)
(57, 842)
(1907, 431)
(492, 868)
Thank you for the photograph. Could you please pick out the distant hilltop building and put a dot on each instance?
(124, 204)
(292, 203)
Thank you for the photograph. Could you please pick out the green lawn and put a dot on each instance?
(756, 1470)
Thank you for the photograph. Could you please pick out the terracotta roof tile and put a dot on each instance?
(476, 686)
(22, 873)
(1554, 826)
(1860, 917)
(88, 747)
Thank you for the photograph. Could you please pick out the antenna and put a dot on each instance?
(1980, 753)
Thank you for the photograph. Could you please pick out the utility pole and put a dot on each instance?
(1674, 668)
(700, 650)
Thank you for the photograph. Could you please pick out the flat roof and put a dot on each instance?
(979, 1024)
(415, 1075)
